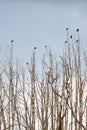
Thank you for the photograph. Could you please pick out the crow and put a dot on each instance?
(27, 63)
(65, 41)
(70, 36)
(77, 30)
(77, 40)
(67, 28)
(35, 48)
(12, 40)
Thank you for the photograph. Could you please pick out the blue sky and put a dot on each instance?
(39, 23)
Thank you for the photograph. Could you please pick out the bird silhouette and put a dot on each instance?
(45, 45)
(77, 40)
(27, 63)
(77, 30)
(71, 37)
(65, 41)
(12, 40)
(67, 28)
(35, 48)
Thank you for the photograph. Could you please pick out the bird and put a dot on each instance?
(77, 40)
(70, 36)
(35, 48)
(27, 63)
(45, 46)
(12, 41)
(67, 28)
(77, 30)
(65, 41)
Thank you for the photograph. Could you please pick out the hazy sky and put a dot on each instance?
(38, 23)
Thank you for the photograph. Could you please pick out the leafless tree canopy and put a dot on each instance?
(53, 98)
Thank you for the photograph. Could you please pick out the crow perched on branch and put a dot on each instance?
(67, 28)
(12, 41)
(35, 48)
(71, 37)
(45, 46)
(77, 40)
(77, 30)
(65, 41)
(27, 63)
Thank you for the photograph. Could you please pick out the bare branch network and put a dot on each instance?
(54, 100)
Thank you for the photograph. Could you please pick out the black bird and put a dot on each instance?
(77, 40)
(65, 41)
(67, 28)
(71, 37)
(35, 48)
(27, 63)
(45, 45)
(77, 30)
(12, 40)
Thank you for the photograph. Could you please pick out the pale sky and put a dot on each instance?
(39, 23)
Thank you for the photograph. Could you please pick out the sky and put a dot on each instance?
(38, 23)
